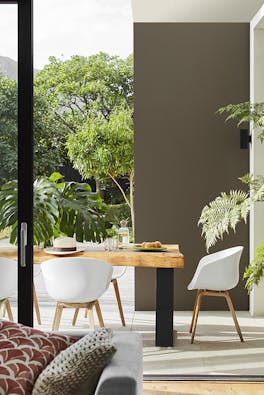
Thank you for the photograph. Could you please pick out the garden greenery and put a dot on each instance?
(227, 210)
(60, 207)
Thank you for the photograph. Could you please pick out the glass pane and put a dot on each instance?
(83, 82)
(8, 161)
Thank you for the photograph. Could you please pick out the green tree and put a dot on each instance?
(49, 137)
(105, 149)
(91, 99)
(82, 87)
(8, 129)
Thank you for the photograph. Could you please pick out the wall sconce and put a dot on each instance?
(245, 138)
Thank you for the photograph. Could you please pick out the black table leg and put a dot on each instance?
(164, 307)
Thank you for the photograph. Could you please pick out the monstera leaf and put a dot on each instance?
(81, 212)
(45, 210)
(8, 208)
(59, 208)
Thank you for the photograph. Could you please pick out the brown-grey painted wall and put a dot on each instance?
(185, 155)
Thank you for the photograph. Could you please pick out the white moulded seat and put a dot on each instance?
(8, 285)
(118, 272)
(76, 283)
(215, 275)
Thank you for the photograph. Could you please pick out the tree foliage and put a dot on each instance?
(84, 87)
(8, 129)
(245, 113)
(49, 138)
(91, 99)
(254, 272)
(104, 149)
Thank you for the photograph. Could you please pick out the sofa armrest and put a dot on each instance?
(123, 375)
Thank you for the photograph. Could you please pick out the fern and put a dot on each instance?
(255, 270)
(245, 113)
(226, 211)
(223, 214)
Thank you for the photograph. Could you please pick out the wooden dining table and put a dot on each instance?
(164, 263)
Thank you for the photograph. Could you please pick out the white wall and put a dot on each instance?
(257, 152)
(195, 10)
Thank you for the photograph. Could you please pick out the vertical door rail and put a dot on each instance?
(25, 161)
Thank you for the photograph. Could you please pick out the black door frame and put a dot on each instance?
(25, 155)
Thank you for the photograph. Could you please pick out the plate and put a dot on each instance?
(138, 247)
(51, 251)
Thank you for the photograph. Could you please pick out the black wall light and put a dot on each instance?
(245, 138)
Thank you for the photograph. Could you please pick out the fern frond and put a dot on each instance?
(223, 214)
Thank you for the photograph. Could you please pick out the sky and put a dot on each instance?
(71, 27)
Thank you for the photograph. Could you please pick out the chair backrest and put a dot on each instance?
(218, 271)
(76, 280)
(118, 271)
(8, 277)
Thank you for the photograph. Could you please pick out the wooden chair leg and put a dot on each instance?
(91, 318)
(8, 310)
(118, 299)
(75, 316)
(3, 310)
(99, 314)
(231, 308)
(2, 306)
(196, 316)
(57, 317)
(36, 305)
(194, 310)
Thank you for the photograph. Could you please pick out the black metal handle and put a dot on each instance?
(23, 244)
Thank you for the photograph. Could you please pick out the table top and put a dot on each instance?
(172, 258)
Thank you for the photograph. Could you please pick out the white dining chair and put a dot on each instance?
(76, 283)
(215, 275)
(118, 272)
(8, 285)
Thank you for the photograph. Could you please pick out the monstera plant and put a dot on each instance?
(59, 208)
(227, 210)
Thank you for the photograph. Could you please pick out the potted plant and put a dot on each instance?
(228, 209)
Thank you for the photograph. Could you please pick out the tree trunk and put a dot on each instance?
(129, 202)
(99, 191)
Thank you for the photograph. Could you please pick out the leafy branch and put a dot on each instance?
(223, 214)
(254, 272)
(227, 210)
(245, 113)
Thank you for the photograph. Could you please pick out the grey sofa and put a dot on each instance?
(123, 375)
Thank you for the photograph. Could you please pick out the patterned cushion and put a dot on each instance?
(77, 370)
(24, 353)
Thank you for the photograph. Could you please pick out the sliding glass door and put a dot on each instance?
(16, 167)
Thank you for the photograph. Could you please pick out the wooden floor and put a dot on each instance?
(202, 388)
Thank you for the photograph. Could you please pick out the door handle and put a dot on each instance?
(23, 244)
